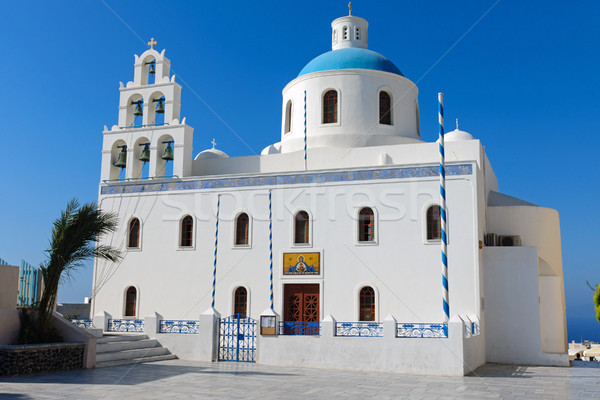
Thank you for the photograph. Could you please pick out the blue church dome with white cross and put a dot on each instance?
(350, 58)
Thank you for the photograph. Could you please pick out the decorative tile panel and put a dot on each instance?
(422, 330)
(126, 325)
(299, 328)
(468, 330)
(179, 326)
(294, 179)
(359, 329)
(82, 322)
(475, 329)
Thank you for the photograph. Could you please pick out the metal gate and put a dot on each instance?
(237, 338)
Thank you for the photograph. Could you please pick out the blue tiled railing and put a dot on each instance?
(468, 330)
(475, 329)
(126, 325)
(179, 326)
(359, 329)
(299, 328)
(422, 330)
(82, 322)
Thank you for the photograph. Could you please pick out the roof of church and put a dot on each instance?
(350, 58)
(496, 199)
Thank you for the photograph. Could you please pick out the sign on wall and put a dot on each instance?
(301, 263)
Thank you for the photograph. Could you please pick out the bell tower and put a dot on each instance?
(149, 128)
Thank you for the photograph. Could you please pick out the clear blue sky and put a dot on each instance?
(524, 80)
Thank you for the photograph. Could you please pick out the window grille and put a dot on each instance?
(366, 225)
(134, 234)
(241, 229)
(434, 231)
(187, 226)
(385, 108)
(301, 228)
(367, 304)
(241, 301)
(330, 106)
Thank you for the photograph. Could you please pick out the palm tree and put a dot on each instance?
(74, 240)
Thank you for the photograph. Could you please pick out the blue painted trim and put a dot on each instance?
(293, 179)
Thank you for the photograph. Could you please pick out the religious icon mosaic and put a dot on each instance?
(302, 263)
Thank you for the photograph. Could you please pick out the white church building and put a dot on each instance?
(323, 251)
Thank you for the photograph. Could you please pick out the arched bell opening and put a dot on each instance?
(140, 162)
(135, 111)
(149, 71)
(118, 160)
(165, 151)
(156, 109)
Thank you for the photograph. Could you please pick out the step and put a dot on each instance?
(115, 363)
(121, 337)
(125, 345)
(131, 354)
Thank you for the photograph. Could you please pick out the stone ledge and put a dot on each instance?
(38, 358)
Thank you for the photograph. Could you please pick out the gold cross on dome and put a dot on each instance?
(152, 43)
(350, 8)
(213, 142)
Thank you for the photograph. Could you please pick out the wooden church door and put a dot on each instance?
(301, 303)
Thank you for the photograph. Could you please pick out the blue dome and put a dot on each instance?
(349, 59)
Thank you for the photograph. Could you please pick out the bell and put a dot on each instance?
(160, 109)
(145, 156)
(122, 159)
(138, 110)
(168, 156)
(152, 70)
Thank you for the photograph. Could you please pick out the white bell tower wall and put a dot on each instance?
(134, 132)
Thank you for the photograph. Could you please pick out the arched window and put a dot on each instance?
(357, 33)
(346, 33)
(240, 303)
(301, 228)
(187, 229)
(242, 224)
(367, 304)
(434, 231)
(385, 108)
(288, 117)
(334, 39)
(130, 302)
(330, 106)
(366, 225)
(133, 241)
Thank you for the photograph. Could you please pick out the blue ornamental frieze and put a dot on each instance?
(126, 325)
(359, 329)
(422, 330)
(179, 326)
(295, 179)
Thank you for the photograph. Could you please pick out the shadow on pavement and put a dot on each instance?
(130, 375)
(501, 371)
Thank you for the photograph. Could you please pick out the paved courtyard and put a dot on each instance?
(177, 379)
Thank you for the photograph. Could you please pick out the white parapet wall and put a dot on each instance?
(454, 356)
(512, 308)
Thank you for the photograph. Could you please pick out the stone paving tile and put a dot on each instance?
(176, 379)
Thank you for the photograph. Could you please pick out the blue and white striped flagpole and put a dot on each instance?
(444, 241)
(271, 248)
(305, 158)
(214, 284)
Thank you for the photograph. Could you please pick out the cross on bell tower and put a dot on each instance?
(152, 43)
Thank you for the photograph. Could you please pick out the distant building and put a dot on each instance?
(334, 230)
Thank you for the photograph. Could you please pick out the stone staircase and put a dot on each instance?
(114, 349)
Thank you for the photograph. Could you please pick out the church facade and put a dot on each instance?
(325, 249)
